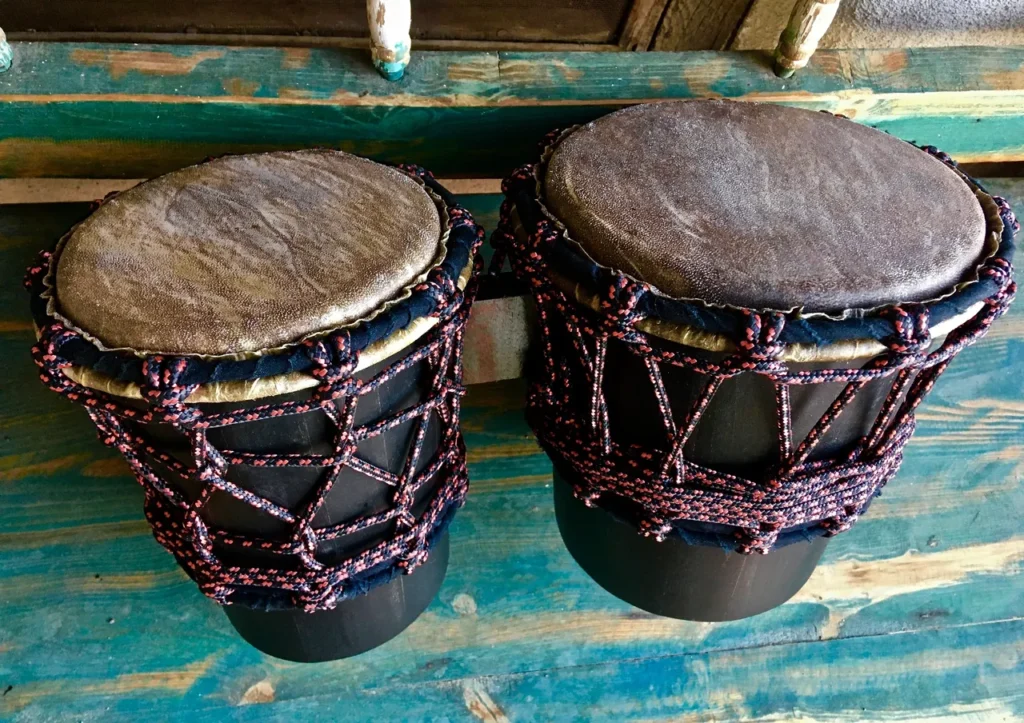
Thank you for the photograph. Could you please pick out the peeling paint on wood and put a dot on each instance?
(118, 63)
(144, 110)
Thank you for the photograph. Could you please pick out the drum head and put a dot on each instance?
(246, 253)
(764, 206)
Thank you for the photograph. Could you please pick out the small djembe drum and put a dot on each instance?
(273, 342)
(740, 308)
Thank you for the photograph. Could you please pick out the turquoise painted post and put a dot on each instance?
(390, 21)
(6, 54)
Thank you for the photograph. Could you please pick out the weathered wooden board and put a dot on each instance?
(90, 110)
(917, 613)
(568, 21)
(700, 24)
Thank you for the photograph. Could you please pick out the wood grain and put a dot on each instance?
(915, 614)
(641, 24)
(137, 111)
(700, 24)
(577, 21)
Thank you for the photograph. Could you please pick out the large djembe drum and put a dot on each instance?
(273, 343)
(741, 306)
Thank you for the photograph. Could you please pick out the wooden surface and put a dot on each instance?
(585, 21)
(641, 24)
(915, 614)
(135, 111)
(700, 24)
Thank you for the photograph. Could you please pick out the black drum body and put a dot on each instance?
(298, 443)
(372, 612)
(695, 574)
(725, 373)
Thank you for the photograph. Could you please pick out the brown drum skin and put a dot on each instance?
(367, 620)
(737, 434)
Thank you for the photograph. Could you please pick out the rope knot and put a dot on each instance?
(620, 303)
(316, 596)
(415, 555)
(517, 179)
(1000, 271)
(761, 338)
(47, 355)
(459, 217)
(37, 270)
(334, 361)
(1006, 213)
(912, 337)
(759, 541)
(306, 541)
(163, 387)
(411, 169)
(443, 291)
(841, 522)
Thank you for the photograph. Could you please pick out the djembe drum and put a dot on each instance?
(740, 308)
(273, 342)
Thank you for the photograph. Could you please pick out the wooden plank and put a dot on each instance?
(901, 621)
(579, 21)
(136, 111)
(902, 25)
(967, 673)
(305, 41)
(700, 24)
(641, 24)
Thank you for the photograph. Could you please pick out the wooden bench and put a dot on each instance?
(917, 613)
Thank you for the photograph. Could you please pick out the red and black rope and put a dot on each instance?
(310, 580)
(567, 411)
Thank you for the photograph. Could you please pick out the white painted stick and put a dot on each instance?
(6, 54)
(390, 21)
(807, 25)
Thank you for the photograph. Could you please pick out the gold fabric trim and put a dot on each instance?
(250, 389)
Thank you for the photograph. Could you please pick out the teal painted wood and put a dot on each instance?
(125, 110)
(915, 612)
(970, 672)
(304, 76)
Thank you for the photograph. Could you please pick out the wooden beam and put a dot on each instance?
(302, 41)
(700, 24)
(570, 21)
(641, 24)
(132, 111)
